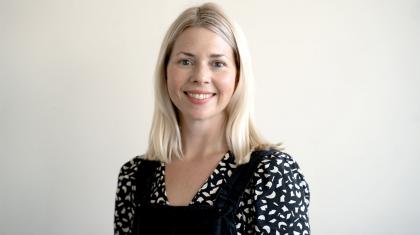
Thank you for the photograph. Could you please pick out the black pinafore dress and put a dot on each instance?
(218, 219)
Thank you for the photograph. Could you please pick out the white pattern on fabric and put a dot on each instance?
(275, 202)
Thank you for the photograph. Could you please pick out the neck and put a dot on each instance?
(203, 138)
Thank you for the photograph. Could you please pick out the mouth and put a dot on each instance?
(199, 95)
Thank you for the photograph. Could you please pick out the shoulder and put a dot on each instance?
(127, 177)
(279, 171)
(130, 167)
(277, 162)
(279, 195)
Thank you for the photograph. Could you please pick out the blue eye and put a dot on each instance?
(185, 62)
(219, 64)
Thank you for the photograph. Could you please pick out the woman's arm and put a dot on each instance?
(124, 208)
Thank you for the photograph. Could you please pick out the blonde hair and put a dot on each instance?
(241, 134)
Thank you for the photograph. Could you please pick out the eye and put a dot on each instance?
(185, 62)
(219, 64)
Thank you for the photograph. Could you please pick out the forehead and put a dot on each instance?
(199, 40)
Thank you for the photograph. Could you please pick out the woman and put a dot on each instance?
(207, 170)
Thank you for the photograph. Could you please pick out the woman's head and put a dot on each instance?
(165, 140)
(201, 76)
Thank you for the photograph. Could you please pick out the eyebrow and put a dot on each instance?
(192, 55)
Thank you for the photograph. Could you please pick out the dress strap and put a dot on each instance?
(229, 194)
(144, 179)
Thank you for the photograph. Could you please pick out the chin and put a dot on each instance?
(201, 116)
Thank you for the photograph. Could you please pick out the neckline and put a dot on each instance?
(224, 159)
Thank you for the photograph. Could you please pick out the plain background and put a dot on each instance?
(336, 81)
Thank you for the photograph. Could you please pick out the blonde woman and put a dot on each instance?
(207, 170)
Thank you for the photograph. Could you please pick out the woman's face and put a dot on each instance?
(201, 74)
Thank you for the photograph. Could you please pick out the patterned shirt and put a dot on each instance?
(275, 201)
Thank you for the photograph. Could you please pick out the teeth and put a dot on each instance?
(200, 96)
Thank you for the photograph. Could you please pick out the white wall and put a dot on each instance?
(337, 83)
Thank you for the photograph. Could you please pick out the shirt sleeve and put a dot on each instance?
(124, 207)
(281, 197)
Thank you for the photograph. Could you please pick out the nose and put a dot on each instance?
(201, 74)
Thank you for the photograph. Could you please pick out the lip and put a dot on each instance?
(199, 92)
(199, 101)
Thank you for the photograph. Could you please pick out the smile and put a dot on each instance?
(199, 96)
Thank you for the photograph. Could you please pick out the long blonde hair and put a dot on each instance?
(241, 134)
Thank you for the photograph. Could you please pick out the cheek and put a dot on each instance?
(227, 82)
(172, 79)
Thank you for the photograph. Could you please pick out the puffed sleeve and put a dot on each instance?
(124, 208)
(281, 197)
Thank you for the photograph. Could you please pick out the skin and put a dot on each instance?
(200, 62)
